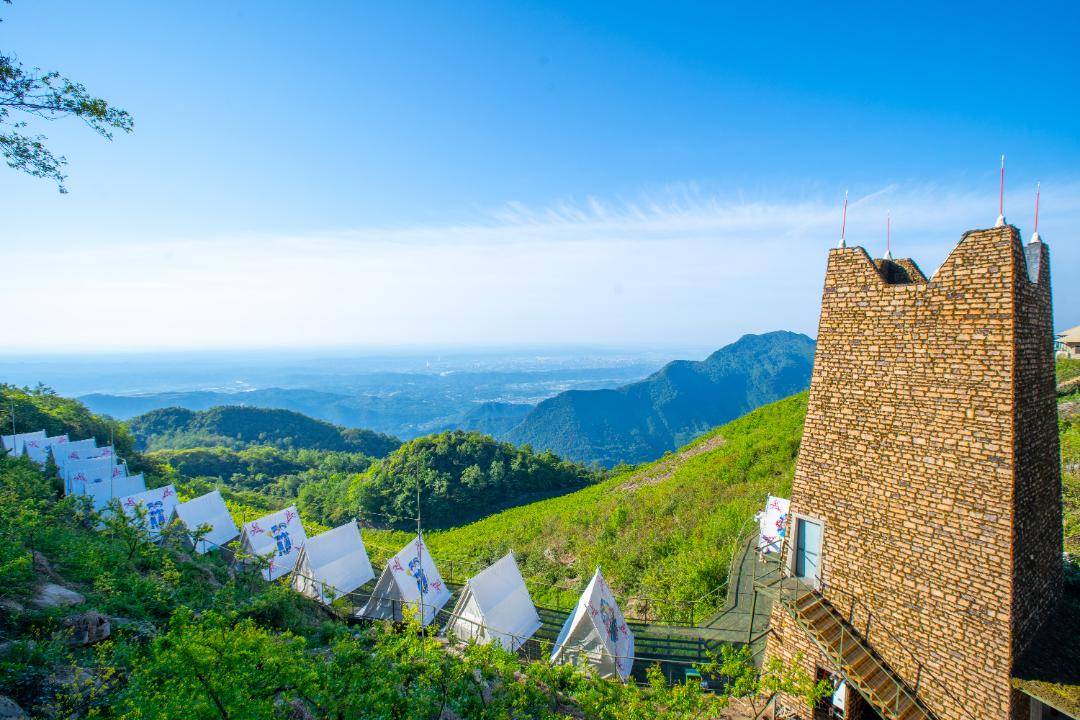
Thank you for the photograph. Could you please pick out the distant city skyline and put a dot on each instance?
(377, 176)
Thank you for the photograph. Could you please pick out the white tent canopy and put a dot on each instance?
(596, 633)
(78, 474)
(773, 525)
(38, 450)
(495, 606)
(74, 450)
(101, 493)
(15, 443)
(279, 536)
(410, 578)
(208, 509)
(332, 564)
(158, 505)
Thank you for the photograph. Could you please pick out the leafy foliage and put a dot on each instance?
(47, 96)
(1067, 369)
(238, 427)
(641, 421)
(461, 476)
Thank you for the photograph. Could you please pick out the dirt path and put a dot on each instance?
(662, 470)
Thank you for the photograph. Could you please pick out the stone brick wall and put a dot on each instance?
(930, 456)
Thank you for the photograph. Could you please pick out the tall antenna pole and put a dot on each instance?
(12, 427)
(1001, 196)
(1035, 235)
(888, 234)
(843, 224)
(420, 553)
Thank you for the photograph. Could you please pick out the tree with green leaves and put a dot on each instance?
(33, 94)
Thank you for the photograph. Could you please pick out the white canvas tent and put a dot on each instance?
(14, 443)
(773, 525)
(410, 578)
(74, 450)
(118, 487)
(79, 473)
(38, 450)
(208, 509)
(158, 505)
(332, 564)
(495, 606)
(279, 536)
(596, 633)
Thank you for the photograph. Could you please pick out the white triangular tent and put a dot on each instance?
(118, 487)
(78, 474)
(14, 444)
(158, 505)
(332, 564)
(596, 633)
(495, 606)
(208, 509)
(74, 450)
(279, 536)
(772, 525)
(409, 576)
(38, 450)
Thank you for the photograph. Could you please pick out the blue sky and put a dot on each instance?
(373, 174)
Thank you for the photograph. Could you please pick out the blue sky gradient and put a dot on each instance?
(585, 172)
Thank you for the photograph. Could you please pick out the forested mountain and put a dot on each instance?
(461, 475)
(643, 420)
(239, 427)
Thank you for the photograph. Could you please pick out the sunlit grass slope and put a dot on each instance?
(665, 530)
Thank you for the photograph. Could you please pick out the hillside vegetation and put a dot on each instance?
(148, 631)
(238, 427)
(41, 408)
(665, 530)
(641, 421)
(462, 476)
(1069, 424)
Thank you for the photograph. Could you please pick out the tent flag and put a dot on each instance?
(596, 633)
(773, 525)
(80, 473)
(74, 450)
(38, 450)
(279, 536)
(14, 444)
(158, 503)
(208, 509)
(410, 578)
(495, 606)
(332, 564)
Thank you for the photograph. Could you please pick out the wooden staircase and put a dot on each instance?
(849, 652)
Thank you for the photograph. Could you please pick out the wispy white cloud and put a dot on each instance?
(679, 265)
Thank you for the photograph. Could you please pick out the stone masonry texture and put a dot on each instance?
(930, 455)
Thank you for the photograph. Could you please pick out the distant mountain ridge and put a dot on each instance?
(643, 420)
(238, 427)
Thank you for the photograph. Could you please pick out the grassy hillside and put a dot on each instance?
(666, 529)
(238, 427)
(151, 632)
(641, 421)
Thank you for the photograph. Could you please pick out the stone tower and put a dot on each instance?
(926, 503)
